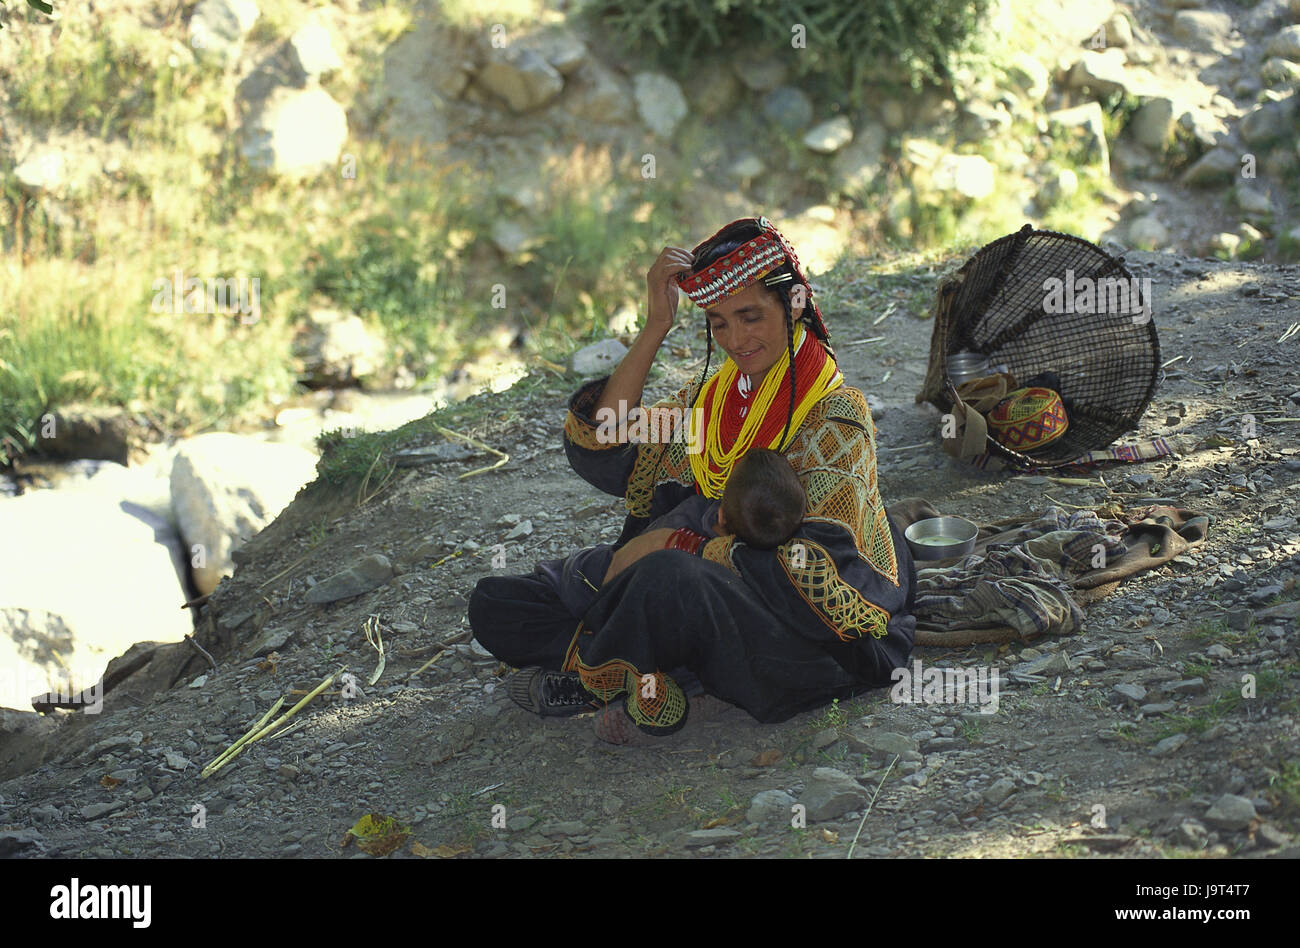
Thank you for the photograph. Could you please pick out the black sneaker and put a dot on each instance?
(550, 693)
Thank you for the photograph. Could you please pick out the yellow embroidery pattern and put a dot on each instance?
(837, 467)
(584, 435)
(718, 550)
(844, 609)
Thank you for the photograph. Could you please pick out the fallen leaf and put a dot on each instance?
(450, 852)
(719, 821)
(830, 837)
(107, 781)
(378, 835)
(767, 758)
(419, 849)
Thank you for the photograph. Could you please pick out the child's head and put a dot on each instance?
(763, 503)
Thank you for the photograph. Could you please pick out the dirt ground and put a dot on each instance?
(1204, 649)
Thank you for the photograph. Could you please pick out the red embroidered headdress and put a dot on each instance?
(751, 261)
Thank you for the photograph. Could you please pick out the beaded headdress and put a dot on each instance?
(751, 261)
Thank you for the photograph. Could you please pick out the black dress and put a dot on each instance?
(776, 632)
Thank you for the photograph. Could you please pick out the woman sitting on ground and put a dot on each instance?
(668, 613)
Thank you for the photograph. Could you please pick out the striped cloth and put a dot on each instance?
(1020, 580)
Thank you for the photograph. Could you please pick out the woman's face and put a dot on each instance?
(750, 328)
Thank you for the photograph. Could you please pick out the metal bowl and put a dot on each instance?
(964, 366)
(956, 537)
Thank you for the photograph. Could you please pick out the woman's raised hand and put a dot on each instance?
(663, 289)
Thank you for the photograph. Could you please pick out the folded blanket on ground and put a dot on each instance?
(1028, 574)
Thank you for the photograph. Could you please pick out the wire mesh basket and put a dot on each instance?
(1041, 302)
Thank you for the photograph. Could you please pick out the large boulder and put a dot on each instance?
(90, 431)
(856, 166)
(84, 574)
(1102, 73)
(1269, 120)
(970, 176)
(296, 132)
(1216, 167)
(1285, 43)
(225, 488)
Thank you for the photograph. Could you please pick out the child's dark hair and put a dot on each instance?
(763, 502)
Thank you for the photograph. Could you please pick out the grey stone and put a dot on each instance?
(761, 74)
(1269, 836)
(1230, 812)
(366, 574)
(565, 828)
(1252, 200)
(1203, 29)
(1161, 707)
(45, 814)
(1169, 745)
(830, 794)
(1239, 620)
(770, 806)
(997, 794)
(858, 163)
(522, 77)
(1268, 120)
(599, 358)
(865, 740)
(789, 108)
(826, 138)
(94, 811)
(1285, 43)
(1147, 233)
(659, 102)
(175, 761)
(1277, 71)
(1217, 166)
(523, 529)
(1192, 834)
(16, 842)
(1131, 692)
(1102, 72)
(217, 29)
(1189, 686)
(1152, 124)
(1218, 651)
(711, 837)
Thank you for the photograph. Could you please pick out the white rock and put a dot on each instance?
(1230, 812)
(1217, 166)
(1147, 233)
(85, 574)
(829, 136)
(1277, 71)
(1101, 72)
(296, 132)
(1029, 75)
(339, 348)
(313, 51)
(226, 488)
(1252, 200)
(1153, 123)
(1118, 31)
(43, 170)
(857, 164)
(1203, 29)
(599, 357)
(659, 101)
(971, 176)
(1285, 43)
(218, 28)
(1268, 120)
(746, 167)
(522, 77)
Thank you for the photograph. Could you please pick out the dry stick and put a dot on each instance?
(292, 565)
(274, 724)
(376, 639)
(870, 805)
(860, 342)
(427, 664)
(505, 458)
(189, 637)
(247, 734)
